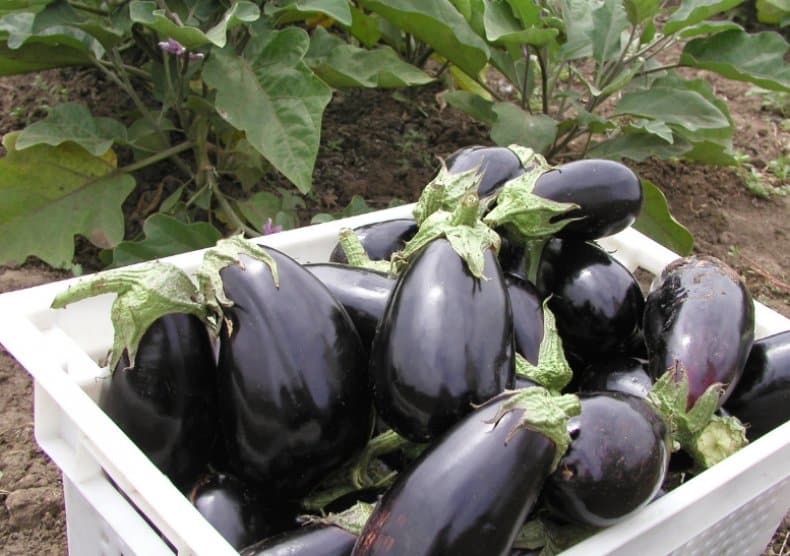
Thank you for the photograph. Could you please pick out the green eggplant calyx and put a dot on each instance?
(542, 412)
(445, 191)
(146, 292)
(528, 157)
(528, 214)
(706, 437)
(226, 252)
(384, 443)
(468, 236)
(542, 532)
(353, 519)
(355, 251)
(552, 371)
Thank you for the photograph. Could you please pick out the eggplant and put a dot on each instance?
(620, 374)
(469, 492)
(615, 464)
(380, 239)
(312, 540)
(699, 317)
(293, 394)
(761, 398)
(235, 510)
(527, 311)
(166, 403)
(513, 256)
(445, 342)
(361, 291)
(608, 193)
(497, 165)
(597, 301)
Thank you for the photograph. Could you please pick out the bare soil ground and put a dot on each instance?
(383, 145)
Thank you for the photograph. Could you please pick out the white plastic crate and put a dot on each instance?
(733, 508)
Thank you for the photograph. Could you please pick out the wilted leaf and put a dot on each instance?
(50, 194)
(165, 236)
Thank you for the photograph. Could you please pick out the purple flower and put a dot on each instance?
(172, 46)
(269, 228)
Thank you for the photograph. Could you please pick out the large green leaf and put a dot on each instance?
(757, 58)
(657, 222)
(609, 22)
(61, 13)
(686, 108)
(709, 28)
(638, 146)
(516, 126)
(343, 65)
(73, 122)
(37, 56)
(474, 105)
(691, 12)
(146, 13)
(165, 236)
(10, 6)
(50, 194)
(502, 26)
(296, 10)
(578, 18)
(438, 24)
(18, 32)
(640, 10)
(275, 99)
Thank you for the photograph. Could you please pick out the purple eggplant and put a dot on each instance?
(469, 492)
(293, 393)
(497, 165)
(527, 311)
(620, 374)
(616, 462)
(361, 291)
(235, 510)
(310, 540)
(596, 300)
(761, 398)
(699, 317)
(608, 194)
(166, 404)
(445, 342)
(380, 239)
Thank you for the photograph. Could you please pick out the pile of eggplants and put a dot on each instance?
(427, 369)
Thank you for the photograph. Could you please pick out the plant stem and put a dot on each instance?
(524, 103)
(656, 70)
(544, 81)
(154, 158)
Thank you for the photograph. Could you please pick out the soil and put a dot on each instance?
(383, 145)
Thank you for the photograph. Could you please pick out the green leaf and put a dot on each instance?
(472, 104)
(686, 108)
(275, 99)
(50, 194)
(609, 22)
(61, 14)
(757, 58)
(711, 152)
(637, 146)
(11, 6)
(514, 125)
(709, 28)
(264, 205)
(73, 122)
(39, 55)
(640, 10)
(691, 12)
(659, 128)
(438, 24)
(655, 221)
(502, 26)
(146, 13)
(345, 65)
(364, 27)
(165, 236)
(298, 10)
(356, 206)
(578, 18)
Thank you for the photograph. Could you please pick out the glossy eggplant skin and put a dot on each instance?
(166, 404)
(527, 309)
(293, 393)
(312, 540)
(234, 510)
(497, 166)
(445, 342)
(361, 291)
(699, 316)
(615, 464)
(620, 374)
(596, 300)
(608, 193)
(761, 398)
(467, 494)
(380, 239)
